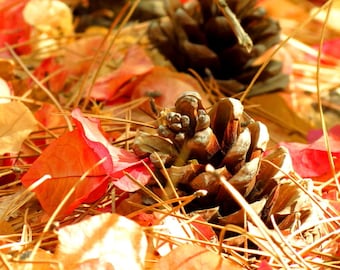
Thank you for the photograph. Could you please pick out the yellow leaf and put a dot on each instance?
(102, 240)
(16, 123)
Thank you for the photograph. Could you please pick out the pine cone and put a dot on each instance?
(197, 35)
(190, 138)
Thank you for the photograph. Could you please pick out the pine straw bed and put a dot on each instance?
(26, 230)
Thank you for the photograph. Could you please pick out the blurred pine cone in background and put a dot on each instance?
(198, 36)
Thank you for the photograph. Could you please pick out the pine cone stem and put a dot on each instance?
(242, 37)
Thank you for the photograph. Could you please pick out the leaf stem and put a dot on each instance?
(242, 37)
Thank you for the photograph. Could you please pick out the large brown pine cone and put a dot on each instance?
(225, 137)
(197, 35)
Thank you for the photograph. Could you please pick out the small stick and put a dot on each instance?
(242, 37)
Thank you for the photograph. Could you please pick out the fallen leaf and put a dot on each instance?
(194, 257)
(203, 231)
(48, 116)
(135, 63)
(13, 28)
(286, 125)
(16, 123)
(58, 74)
(72, 155)
(67, 159)
(332, 196)
(122, 161)
(264, 265)
(105, 239)
(311, 160)
(79, 55)
(180, 231)
(164, 85)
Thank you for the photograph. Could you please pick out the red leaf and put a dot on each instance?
(121, 160)
(311, 160)
(75, 153)
(205, 230)
(48, 116)
(13, 28)
(333, 198)
(264, 265)
(66, 160)
(49, 66)
(331, 48)
(136, 62)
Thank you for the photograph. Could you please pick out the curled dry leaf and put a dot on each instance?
(106, 239)
(194, 257)
(16, 123)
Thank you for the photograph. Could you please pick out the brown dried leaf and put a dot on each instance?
(16, 123)
(109, 238)
(194, 257)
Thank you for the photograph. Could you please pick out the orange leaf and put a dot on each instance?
(80, 54)
(72, 155)
(66, 160)
(107, 240)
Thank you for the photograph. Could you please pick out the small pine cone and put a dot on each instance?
(191, 140)
(189, 128)
(197, 35)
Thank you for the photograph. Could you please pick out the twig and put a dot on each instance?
(242, 37)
